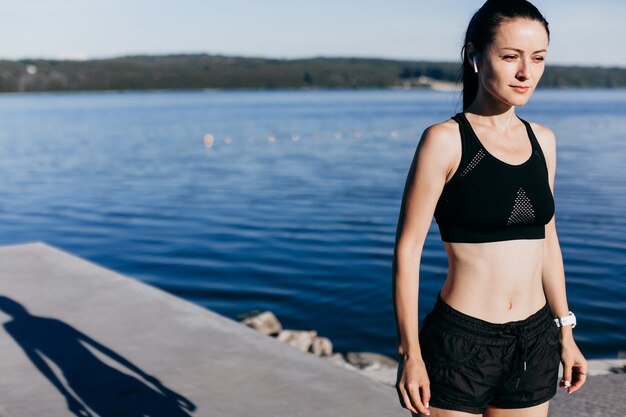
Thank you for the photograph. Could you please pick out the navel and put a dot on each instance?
(510, 305)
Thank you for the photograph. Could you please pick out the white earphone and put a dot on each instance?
(475, 67)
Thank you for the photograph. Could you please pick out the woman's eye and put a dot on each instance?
(509, 57)
(539, 58)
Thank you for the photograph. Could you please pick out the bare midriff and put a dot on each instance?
(495, 281)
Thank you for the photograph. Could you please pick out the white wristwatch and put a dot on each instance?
(566, 320)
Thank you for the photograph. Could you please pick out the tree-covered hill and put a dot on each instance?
(227, 72)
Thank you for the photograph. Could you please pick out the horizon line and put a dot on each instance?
(79, 58)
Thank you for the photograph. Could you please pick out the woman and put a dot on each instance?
(501, 323)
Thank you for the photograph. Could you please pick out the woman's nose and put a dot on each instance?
(523, 72)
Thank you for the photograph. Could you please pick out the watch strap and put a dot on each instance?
(568, 320)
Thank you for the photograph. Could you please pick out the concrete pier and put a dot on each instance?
(78, 339)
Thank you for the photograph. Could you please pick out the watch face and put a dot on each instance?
(569, 320)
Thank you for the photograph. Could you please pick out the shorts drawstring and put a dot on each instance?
(521, 337)
(525, 349)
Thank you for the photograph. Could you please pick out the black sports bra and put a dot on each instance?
(489, 200)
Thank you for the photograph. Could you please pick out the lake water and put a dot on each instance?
(294, 207)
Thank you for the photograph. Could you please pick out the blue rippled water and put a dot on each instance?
(294, 207)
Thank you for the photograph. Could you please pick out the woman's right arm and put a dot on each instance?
(425, 180)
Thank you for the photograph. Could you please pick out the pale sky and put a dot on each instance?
(583, 32)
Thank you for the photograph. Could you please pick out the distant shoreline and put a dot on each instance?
(283, 89)
(201, 71)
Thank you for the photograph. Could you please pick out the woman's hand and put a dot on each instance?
(412, 377)
(574, 366)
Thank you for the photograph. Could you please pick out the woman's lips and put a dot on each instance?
(519, 88)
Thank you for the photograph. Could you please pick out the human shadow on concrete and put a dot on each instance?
(104, 389)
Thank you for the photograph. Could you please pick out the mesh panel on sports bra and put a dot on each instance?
(523, 211)
(473, 162)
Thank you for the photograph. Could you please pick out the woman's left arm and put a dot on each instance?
(553, 280)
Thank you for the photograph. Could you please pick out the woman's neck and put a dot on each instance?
(489, 111)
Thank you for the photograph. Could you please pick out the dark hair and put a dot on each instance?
(481, 31)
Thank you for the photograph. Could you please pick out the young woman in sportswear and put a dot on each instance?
(500, 325)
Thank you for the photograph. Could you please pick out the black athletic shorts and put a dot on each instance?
(473, 363)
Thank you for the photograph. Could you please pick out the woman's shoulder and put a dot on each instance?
(442, 133)
(547, 140)
(542, 132)
(441, 139)
(545, 136)
(441, 145)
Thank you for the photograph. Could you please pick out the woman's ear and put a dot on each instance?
(471, 53)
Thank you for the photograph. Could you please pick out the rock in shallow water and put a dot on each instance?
(370, 361)
(321, 346)
(301, 339)
(265, 322)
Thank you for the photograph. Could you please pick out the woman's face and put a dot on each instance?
(513, 64)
